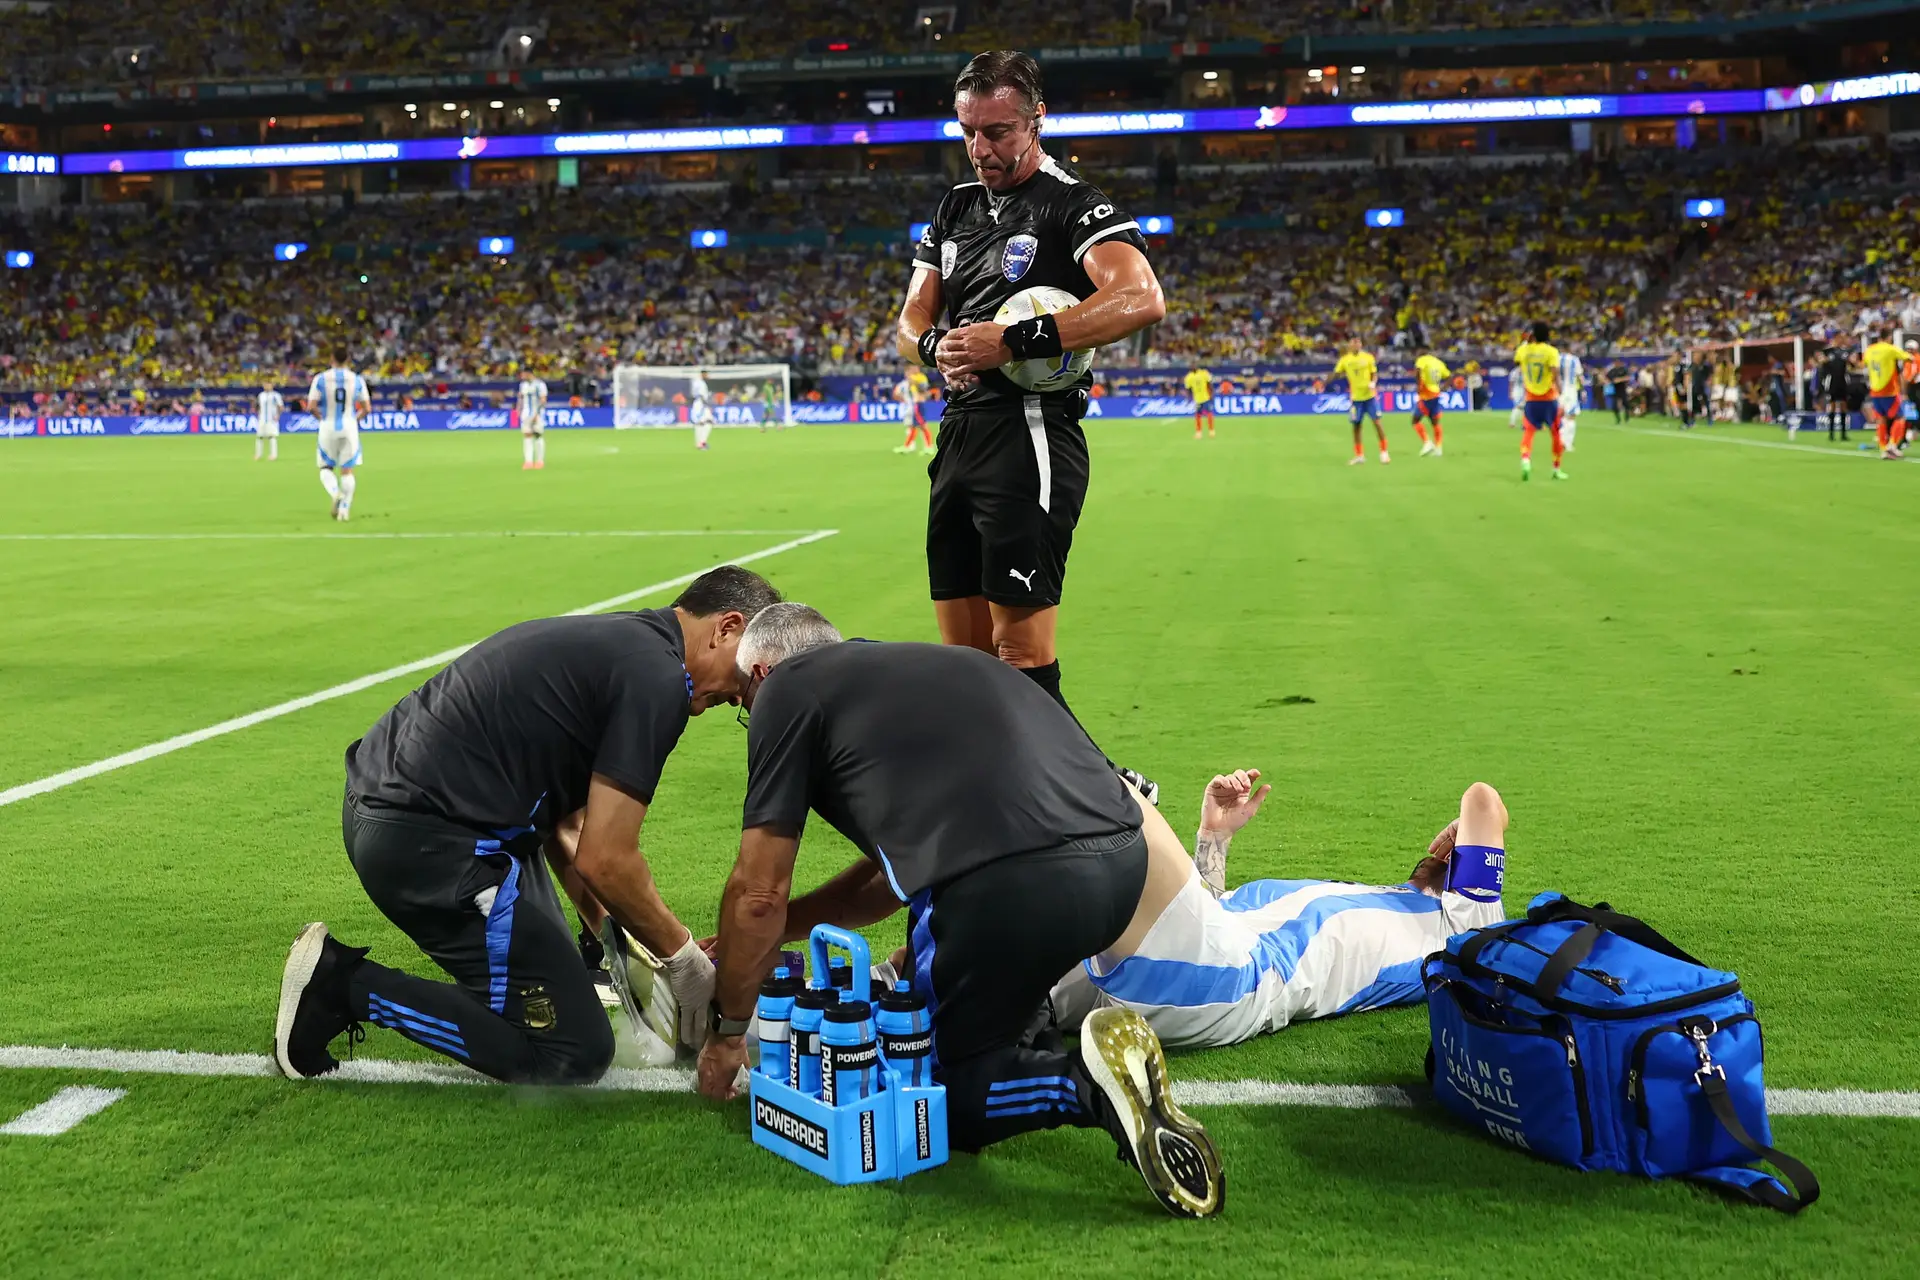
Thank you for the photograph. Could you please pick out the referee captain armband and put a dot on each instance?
(851, 1098)
(1035, 339)
(929, 341)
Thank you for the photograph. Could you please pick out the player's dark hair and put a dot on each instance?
(1422, 349)
(340, 354)
(1539, 330)
(1002, 69)
(728, 589)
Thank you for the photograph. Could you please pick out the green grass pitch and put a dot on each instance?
(1687, 669)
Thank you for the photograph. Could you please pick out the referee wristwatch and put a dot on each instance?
(719, 1024)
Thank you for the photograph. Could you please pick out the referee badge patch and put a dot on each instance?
(949, 251)
(1018, 256)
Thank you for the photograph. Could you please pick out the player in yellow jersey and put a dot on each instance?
(1539, 365)
(1883, 361)
(1429, 376)
(911, 392)
(1200, 387)
(1360, 371)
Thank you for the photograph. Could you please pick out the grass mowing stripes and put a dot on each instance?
(1682, 668)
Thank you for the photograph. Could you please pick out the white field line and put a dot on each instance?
(1697, 434)
(392, 536)
(62, 1111)
(66, 778)
(1199, 1093)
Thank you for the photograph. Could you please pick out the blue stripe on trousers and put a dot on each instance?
(499, 926)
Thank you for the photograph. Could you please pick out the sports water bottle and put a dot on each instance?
(840, 975)
(774, 1014)
(808, 1008)
(849, 1058)
(906, 1035)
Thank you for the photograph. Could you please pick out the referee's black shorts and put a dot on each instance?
(1009, 480)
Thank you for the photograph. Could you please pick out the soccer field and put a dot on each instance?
(1684, 668)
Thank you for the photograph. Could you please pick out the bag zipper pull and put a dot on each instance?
(1573, 1056)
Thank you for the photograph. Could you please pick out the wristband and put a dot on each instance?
(928, 341)
(1035, 339)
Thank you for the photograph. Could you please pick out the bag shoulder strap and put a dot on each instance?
(1754, 1184)
(1629, 927)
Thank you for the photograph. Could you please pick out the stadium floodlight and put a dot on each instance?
(917, 229)
(1156, 224)
(1700, 208)
(553, 104)
(449, 106)
(413, 106)
(498, 246)
(1356, 71)
(19, 259)
(496, 104)
(289, 250)
(710, 238)
(1386, 217)
(1209, 75)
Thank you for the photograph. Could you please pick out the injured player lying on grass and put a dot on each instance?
(1219, 967)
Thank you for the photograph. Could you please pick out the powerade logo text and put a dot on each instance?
(782, 1123)
(869, 1157)
(923, 1128)
(83, 426)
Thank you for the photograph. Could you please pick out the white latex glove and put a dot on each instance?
(690, 977)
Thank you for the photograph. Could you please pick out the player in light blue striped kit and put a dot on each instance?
(1218, 967)
(338, 397)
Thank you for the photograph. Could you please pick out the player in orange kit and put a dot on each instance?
(1539, 365)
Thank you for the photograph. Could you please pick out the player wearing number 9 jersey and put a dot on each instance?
(337, 398)
(1539, 364)
(1010, 473)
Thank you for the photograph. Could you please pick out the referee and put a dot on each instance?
(989, 815)
(452, 800)
(1010, 475)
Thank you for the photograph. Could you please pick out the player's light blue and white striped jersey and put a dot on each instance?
(271, 403)
(1570, 378)
(1278, 951)
(532, 398)
(335, 397)
(697, 389)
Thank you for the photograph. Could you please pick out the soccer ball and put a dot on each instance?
(1042, 375)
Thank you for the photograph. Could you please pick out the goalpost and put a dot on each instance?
(737, 395)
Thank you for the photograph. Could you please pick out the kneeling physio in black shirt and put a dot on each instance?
(980, 806)
(457, 797)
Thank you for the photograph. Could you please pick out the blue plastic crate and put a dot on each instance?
(889, 1134)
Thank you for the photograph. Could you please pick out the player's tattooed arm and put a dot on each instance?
(1228, 804)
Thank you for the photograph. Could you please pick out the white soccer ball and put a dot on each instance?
(1042, 375)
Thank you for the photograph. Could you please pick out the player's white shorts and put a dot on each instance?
(1218, 972)
(339, 448)
(700, 412)
(533, 424)
(1569, 406)
(265, 428)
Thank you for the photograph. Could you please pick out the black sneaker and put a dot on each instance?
(313, 1002)
(1140, 782)
(1173, 1152)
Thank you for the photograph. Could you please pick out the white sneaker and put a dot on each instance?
(1426, 449)
(1384, 457)
(1437, 452)
(1173, 1152)
(1356, 459)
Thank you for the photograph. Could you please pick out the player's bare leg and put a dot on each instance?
(1359, 450)
(965, 622)
(1380, 434)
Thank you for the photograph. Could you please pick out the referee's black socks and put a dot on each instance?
(1048, 678)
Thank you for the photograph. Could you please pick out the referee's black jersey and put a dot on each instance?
(933, 759)
(988, 246)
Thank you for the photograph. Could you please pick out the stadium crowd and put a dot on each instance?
(1268, 266)
(63, 42)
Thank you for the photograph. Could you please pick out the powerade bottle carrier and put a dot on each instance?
(859, 1117)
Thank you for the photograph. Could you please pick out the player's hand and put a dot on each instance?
(690, 977)
(1231, 800)
(1442, 844)
(972, 348)
(723, 1061)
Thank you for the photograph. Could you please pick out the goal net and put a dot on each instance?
(725, 395)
